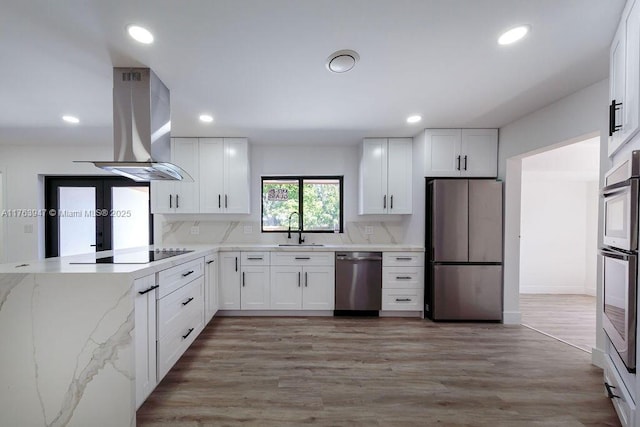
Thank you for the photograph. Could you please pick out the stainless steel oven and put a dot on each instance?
(620, 257)
(619, 320)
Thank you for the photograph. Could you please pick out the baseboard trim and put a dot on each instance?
(418, 314)
(275, 313)
(511, 317)
(567, 290)
(598, 357)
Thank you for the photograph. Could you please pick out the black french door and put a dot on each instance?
(95, 213)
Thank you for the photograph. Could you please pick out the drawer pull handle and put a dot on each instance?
(209, 262)
(400, 258)
(403, 277)
(146, 291)
(187, 301)
(303, 257)
(255, 258)
(403, 299)
(609, 392)
(306, 279)
(187, 273)
(184, 337)
(298, 279)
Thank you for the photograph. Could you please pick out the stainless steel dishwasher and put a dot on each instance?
(358, 281)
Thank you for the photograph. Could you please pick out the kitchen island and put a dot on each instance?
(71, 333)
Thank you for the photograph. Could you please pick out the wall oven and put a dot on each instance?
(620, 257)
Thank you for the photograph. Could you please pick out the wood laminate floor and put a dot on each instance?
(377, 372)
(571, 318)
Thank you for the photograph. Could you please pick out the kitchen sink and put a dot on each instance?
(301, 245)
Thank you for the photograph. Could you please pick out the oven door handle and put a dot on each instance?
(610, 253)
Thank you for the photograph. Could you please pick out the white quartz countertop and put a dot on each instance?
(67, 264)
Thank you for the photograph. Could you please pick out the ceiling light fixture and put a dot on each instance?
(140, 34)
(206, 118)
(71, 119)
(414, 119)
(513, 35)
(342, 61)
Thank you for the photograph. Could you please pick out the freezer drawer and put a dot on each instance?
(467, 292)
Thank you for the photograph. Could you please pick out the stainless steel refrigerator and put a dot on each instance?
(464, 249)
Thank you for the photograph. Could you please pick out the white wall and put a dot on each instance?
(574, 118)
(2, 220)
(24, 167)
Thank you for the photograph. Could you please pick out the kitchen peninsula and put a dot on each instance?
(71, 333)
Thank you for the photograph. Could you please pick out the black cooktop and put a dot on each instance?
(142, 257)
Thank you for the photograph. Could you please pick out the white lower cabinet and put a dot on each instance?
(229, 284)
(145, 337)
(616, 390)
(303, 281)
(318, 292)
(254, 292)
(210, 287)
(402, 281)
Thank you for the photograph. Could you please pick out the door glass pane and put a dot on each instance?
(130, 217)
(77, 220)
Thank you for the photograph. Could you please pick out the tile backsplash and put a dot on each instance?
(211, 232)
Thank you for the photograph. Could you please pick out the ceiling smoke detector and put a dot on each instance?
(342, 61)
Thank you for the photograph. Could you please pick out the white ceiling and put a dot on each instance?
(258, 65)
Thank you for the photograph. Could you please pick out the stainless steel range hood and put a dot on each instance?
(141, 128)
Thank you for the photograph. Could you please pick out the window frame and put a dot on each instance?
(301, 179)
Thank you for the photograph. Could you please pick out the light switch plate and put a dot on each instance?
(248, 229)
(368, 229)
(195, 230)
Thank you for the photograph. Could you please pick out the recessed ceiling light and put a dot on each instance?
(140, 34)
(71, 119)
(513, 35)
(414, 119)
(206, 118)
(342, 61)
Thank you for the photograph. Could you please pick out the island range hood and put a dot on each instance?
(141, 128)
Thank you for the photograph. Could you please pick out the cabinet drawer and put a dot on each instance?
(303, 258)
(175, 277)
(177, 340)
(254, 258)
(403, 277)
(182, 303)
(399, 259)
(622, 403)
(402, 299)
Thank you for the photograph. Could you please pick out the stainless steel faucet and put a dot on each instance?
(300, 238)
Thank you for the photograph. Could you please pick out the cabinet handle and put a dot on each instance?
(187, 301)
(609, 392)
(225, 201)
(243, 279)
(236, 263)
(219, 201)
(400, 258)
(298, 279)
(303, 257)
(403, 299)
(209, 262)
(255, 258)
(613, 128)
(170, 201)
(465, 162)
(384, 202)
(146, 291)
(187, 273)
(458, 167)
(306, 279)
(403, 277)
(391, 206)
(177, 201)
(184, 337)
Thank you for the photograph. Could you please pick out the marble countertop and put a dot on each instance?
(66, 264)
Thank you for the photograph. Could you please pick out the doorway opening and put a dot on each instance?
(95, 213)
(558, 242)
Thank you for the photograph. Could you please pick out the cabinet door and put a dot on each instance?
(442, 152)
(479, 151)
(254, 293)
(318, 292)
(616, 85)
(373, 176)
(211, 175)
(631, 109)
(184, 153)
(162, 197)
(399, 175)
(286, 288)
(229, 284)
(211, 287)
(145, 337)
(236, 175)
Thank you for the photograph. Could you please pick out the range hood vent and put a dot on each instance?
(141, 128)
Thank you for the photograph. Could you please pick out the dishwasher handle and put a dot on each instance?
(359, 256)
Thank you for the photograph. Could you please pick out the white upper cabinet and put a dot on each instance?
(179, 196)
(224, 166)
(624, 80)
(386, 176)
(461, 152)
